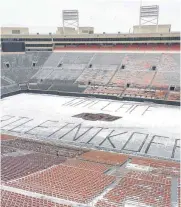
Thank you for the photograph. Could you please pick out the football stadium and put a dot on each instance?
(90, 119)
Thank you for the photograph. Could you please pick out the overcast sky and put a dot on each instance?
(108, 16)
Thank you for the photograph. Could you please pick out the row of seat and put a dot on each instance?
(9, 198)
(83, 177)
(24, 60)
(96, 76)
(104, 90)
(13, 167)
(102, 69)
(41, 148)
(135, 92)
(142, 188)
(68, 86)
(66, 182)
(138, 61)
(158, 166)
(124, 47)
(19, 72)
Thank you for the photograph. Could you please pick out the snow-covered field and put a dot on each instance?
(144, 128)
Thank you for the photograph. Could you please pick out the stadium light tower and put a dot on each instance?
(70, 18)
(149, 15)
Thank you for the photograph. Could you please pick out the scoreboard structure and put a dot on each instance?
(70, 18)
(12, 46)
(149, 15)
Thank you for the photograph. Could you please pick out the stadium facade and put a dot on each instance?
(141, 39)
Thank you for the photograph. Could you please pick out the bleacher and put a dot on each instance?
(77, 58)
(163, 80)
(4, 82)
(145, 93)
(123, 47)
(97, 74)
(41, 74)
(64, 74)
(144, 75)
(18, 75)
(173, 96)
(169, 62)
(25, 60)
(19, 68)
(107, 59)
(115, 91)
(53, 60)
(135, 78)
(141, 61)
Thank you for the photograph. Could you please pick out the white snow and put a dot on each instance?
(47, 115)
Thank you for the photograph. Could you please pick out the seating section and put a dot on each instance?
(73, 67)
(106, 90)
(15, 167)
(137, 70)
(39, 58)
(105, 157)
(163, 80)
(136, 78)
(141, 61)
(118, 74)
(142, 188)
(123, 47)
(77, 58)
(53, 60)
(41, 74)
(67, 182)
(18, 75)
(145, 93)
(158, 166)
(5, 150)
(169, 62)
(97, 75)
(25, 60)
(42, 148)
(63, 66)
(179, 192)
(65, 74)
(19, 68)
(107, 59)
(7, 137)
(105, 203)
(40, 174)
(9, 198)
(97, 167)
(173, 96)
